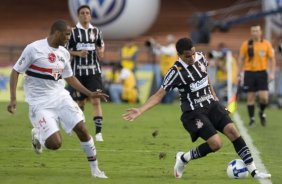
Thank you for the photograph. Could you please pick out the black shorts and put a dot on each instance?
(206, 121)
(255, 81)
(91, 82)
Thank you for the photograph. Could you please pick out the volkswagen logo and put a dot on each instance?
(119, 19)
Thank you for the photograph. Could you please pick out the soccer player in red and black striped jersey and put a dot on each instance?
(86, 46)
(202, 115)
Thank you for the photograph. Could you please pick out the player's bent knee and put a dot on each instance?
(53, 145)
(215, 143)
(54, 142)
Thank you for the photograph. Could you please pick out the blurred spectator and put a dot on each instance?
(129, 54)
(3, 81)
(212, 68)
(123, 86)
(167, 56)
(221, 71)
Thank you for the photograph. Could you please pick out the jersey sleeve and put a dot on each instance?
(100, 40)
(67, 70)
(270, 50)
(206, 63)
(243, 49)
(171, 79)
(25, 60)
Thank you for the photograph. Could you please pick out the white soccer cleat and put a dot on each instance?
(35, 142)
(98, 174)
(261, 175)
(99, 137)
(179, 165)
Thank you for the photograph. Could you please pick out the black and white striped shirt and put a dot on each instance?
(191, 81)
(85, 39)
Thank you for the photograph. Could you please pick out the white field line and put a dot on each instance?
(255, 152)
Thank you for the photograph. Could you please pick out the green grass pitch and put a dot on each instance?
(129, 154)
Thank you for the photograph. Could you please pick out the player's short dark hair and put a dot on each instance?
(183, 44)
(81, 7)
(59, 25)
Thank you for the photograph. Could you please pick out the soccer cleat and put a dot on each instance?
(99, 137)
(179, 165)
(35, 142)
(252, 122)
(261, 175)
(98, 174)
(262, 117)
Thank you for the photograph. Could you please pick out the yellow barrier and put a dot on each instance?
(5, 92)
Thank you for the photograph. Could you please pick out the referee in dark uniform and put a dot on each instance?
(86, 46)
(202, 115)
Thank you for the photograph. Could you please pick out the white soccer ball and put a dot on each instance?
(237, 169)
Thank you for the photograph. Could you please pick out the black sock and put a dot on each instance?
(243, 150)
(251, 111)
(262, 107)
(98, 120)
(200, 151)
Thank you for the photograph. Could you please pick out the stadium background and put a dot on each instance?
(25, 21)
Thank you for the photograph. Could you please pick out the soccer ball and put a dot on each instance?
(237, 169)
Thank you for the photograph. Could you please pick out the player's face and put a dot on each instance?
(84, 16)
(256, 32)
(64, 36)
(188, 56)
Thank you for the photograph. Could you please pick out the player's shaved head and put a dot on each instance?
(59, 25)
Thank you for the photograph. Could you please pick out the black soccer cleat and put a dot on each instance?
(252, 123)
(262, 117)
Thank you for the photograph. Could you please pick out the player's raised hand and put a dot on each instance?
(99, 94)
(131, 114)
(12, 107)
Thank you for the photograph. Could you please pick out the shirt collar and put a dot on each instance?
(182, 62)
(186, 65)
(78, 25)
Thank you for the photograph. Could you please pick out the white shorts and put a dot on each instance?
(47, 118)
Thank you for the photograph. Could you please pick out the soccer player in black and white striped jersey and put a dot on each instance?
(86, 46)
(202, 114)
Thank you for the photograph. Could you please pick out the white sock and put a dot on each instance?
(90, 151)
(187, 156)
(251, 167)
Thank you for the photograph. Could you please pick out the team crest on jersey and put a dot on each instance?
(51, 57)
(199, 123)
(92, 36)
(102, 11)
(202, 67)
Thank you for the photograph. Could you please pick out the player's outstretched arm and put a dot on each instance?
(13, 87)
(155, 99)
(79, 87)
